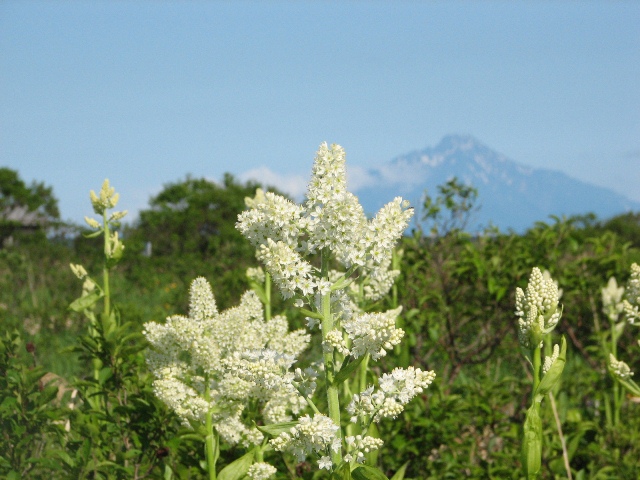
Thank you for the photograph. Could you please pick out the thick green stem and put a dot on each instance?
(537, 361)
(333, 400)
(532, 445)
(267, 294)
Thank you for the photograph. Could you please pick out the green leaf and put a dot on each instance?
(93, 234)
(259, 290)
(109, 323)
(85, 301)
(532, 442)
(631, 386)
(343, 472)
(105, 374)
(346, 370)
(553, 375)
(366, 472)
(309, 313)
(399, 475)
(168, 473)
(276, 429)
(48, 393)
(63, 456)
(238, 468)
(85, 451)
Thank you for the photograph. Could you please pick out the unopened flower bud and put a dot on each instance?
(78, 270)
(93, 223)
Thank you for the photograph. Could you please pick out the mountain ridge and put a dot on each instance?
(511, 196)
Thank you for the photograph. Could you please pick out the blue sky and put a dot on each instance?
(146, 92)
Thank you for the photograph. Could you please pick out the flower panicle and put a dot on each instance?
(537, 309)
(331, 219)
(215, 362)
(105, 200)
(619, 368)
(631, 304)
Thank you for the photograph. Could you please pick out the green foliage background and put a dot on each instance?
(458, 296)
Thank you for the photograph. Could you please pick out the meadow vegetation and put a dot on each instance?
(79, 397)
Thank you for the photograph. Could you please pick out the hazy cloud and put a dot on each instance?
(292, 184)
(359, 177)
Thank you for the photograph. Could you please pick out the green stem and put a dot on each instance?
(617, 400)
(259, 455)
(333, 400)
(537, 361)
(267, 294)
(105, 268)
(364, 369)
(395, 265)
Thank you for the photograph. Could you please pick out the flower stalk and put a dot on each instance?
(356, 266)
(538, 314)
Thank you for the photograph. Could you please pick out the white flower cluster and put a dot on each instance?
(549, 361)
(612, 305)
(234, 355)
(537, 308)
(261, 471)
(334, 340)
(331, 218)
(106, 200)
(631, 304)
(619, 368)
(316, 435)
(359, 446)
(261, 370)
(305, 380)
(381, 279)
(289, 270)
(396, 390)
(373, 333)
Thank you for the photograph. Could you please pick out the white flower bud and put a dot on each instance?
(78, 270)
(93, 223)
(537, 308)
(619, 368)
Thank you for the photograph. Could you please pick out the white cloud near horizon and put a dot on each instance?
(292, 184)
(360, 177)
(357, 178)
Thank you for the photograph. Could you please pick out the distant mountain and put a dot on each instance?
(510, 195)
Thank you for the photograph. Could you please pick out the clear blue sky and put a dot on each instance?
(146, 92)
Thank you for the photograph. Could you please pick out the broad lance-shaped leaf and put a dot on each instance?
(553, 375)
(259, 289)
(347, 369)
(342, 473)
(238, 468)
(532, 442)
(276, 429)
(366, 472)
(399, 475)
(85, 301)
(631, 386)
